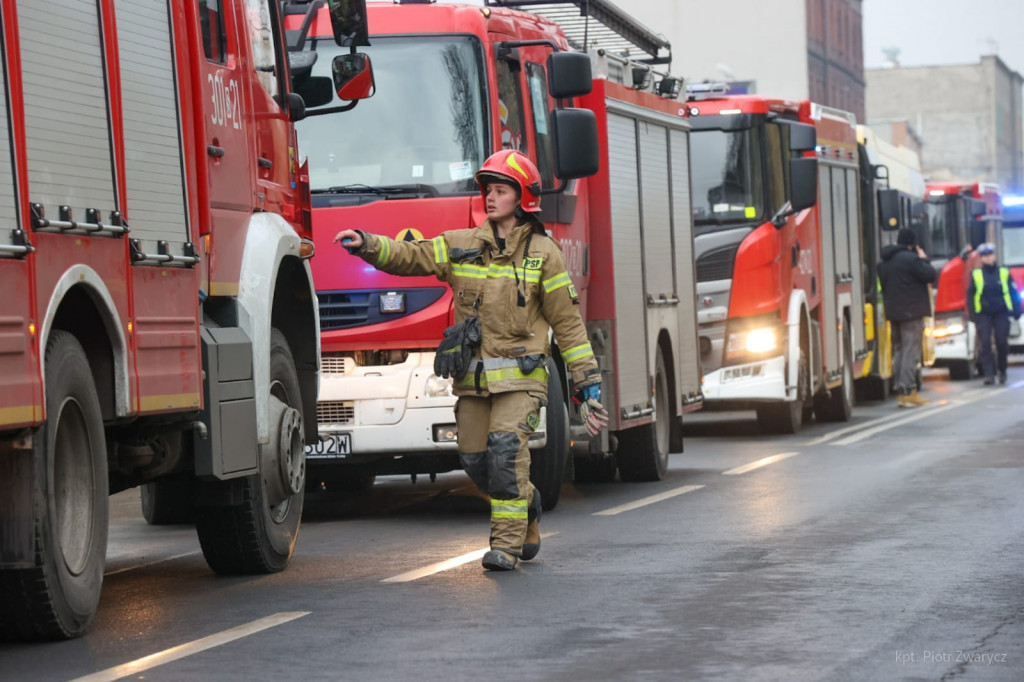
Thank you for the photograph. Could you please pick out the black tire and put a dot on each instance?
(168, 501)
(547, 464)
(837, 405)
(961, 370)
(872, 388)
(58, 598)
(595, 469)
(643, 450)
(781, 418)
(254, 537)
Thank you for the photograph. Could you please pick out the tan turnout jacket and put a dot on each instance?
(469, 261)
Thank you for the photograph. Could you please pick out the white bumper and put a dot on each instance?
(388, 408)
(763, 380)
(955, 346)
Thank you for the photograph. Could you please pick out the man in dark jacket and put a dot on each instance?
(992, 298)
(905, 274)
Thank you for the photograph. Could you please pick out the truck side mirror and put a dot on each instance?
(575, 142)
(889, 209)
(316, 91)
(348, 22)
(802, 136)
(353, 76)
(569, 75)
(803, 181)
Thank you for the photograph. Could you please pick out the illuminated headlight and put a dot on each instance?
(753, 341)
(949, 328)
(437, 387)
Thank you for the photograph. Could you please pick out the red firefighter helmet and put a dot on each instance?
(510, 165)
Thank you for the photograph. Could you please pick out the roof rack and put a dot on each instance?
(598, 24)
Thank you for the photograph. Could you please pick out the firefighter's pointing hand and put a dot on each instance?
(351, 240)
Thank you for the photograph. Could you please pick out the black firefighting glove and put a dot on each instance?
(456, 349)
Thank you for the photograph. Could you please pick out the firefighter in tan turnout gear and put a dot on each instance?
(511, 286)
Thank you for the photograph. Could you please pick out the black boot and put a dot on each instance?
(499, 560)
(1002, 377)
(989, 380)
(531, 546)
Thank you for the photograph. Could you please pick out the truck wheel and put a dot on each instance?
(57, 599)
(837, 406)
(643, 450)
(168, 501)
(595, 469)
(547, 464)
(781, 418)
(258, 536)
(961, 370)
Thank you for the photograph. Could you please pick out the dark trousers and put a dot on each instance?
(987, 325)
(908, 339)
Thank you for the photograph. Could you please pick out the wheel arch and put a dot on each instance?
(798, 323)
(270, 243)
(82, 305)
(299, 322)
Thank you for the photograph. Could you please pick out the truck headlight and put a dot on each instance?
(752, 341)
(437, 387)
(950, 327)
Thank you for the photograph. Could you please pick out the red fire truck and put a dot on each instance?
(778, 254)
(958, 217)
(159, 319)
(459, 82)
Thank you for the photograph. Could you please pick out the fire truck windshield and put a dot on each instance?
(945, 228)
(1012, 254)
(423, 127)
(727, 176)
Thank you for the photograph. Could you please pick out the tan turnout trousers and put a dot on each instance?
(494, 432)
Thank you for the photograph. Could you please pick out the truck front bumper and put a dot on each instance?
(760, 381)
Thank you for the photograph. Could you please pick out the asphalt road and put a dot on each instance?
(887, 548)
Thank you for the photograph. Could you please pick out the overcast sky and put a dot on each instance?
(944, 31)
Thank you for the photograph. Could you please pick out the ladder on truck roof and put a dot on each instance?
(592, 24)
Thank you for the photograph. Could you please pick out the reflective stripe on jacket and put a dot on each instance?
(470, 262)
(979, 288)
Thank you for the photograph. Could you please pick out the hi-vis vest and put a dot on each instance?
(979, 286)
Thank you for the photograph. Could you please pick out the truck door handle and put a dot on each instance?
(264, 163)
(214, 151)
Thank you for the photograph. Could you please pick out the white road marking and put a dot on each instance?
(903, 416)
(759, 463)
(648, 500)
(150, 563)
(447, 564)
(832, 435)
(912, 417)
(190, 648)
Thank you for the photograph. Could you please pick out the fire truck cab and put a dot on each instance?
(460, 82)
(778, 250)
(958, 217)
(158, 323)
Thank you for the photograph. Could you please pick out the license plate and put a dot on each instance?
(330, 445)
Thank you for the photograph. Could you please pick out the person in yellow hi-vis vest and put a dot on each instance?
(511, 287)
(992, 298)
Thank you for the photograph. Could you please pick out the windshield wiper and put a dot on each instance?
(389, 191)
(347, 189)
